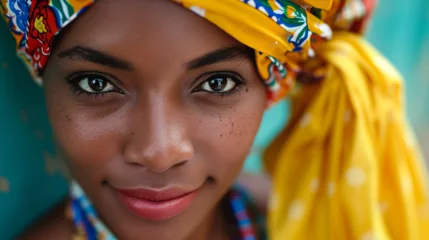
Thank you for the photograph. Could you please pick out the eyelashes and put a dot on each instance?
(220, 84)
(94, 84)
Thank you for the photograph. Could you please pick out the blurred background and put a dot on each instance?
(31, 175)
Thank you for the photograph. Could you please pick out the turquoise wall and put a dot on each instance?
(30, 172)
(29, 181)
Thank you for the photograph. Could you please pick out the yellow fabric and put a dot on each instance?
(230, 15)
(347, 167)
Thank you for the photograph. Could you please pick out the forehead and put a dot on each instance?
(136, 29)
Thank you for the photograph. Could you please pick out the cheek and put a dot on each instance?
(230, 135)
(89, 143)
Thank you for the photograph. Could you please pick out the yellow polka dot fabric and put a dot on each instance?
(347, 166)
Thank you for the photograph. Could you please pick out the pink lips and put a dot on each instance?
(156, 205)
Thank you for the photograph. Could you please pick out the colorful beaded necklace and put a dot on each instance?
(89, 226)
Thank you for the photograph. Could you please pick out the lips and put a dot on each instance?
(156, 205)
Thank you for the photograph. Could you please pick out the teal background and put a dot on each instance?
(31, 175)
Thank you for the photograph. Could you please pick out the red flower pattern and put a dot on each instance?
(41, 31)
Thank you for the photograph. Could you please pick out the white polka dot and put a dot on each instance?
(296, 210)
(198, 10)
(314, 185)
(423, 211)
(410, 140)
(368, 236)
(383, 206)
(355, 177)
(390, 116)
(331, 189)
(407, 185)
(306, 120)
(4, 184)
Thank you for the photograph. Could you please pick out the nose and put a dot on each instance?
(159, 138)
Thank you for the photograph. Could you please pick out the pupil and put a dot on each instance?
(218, 84)
(97, 84)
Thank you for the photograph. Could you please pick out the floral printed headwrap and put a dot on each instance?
(290, 33)
(346, 166)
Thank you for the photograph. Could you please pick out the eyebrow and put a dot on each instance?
(220, 55)
(95, 56)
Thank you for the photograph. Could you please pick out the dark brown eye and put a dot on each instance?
(219, 84)
(95, 84)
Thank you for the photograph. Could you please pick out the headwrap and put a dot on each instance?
(347, 165)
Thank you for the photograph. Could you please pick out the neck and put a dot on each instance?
(215, 225)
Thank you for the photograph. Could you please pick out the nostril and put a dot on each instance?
(137, 164)
(180, 164)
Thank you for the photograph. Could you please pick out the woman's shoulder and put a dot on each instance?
(54, 225)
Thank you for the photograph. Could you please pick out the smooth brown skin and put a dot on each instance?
(157, 133)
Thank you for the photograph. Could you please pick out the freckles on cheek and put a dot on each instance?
(85, 142)
(240, 127)
(234, 133)
(230, 134)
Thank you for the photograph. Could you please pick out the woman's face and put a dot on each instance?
(155, 110)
